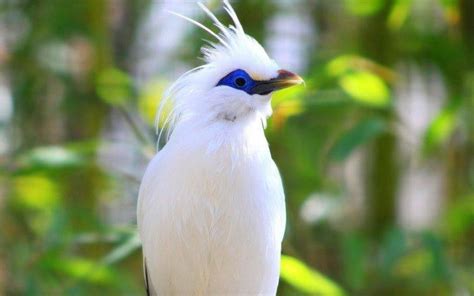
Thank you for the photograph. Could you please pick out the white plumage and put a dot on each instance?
(211, 210)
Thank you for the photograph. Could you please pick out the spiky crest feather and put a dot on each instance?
(235, 49)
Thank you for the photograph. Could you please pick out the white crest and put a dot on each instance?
(233, 50)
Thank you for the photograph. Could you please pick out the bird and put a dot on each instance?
(211, 205)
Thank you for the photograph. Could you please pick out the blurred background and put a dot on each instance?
(376, 152)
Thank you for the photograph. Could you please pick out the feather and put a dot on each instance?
(217, 23)
(173, 115)
(200, 26)
(233, 16)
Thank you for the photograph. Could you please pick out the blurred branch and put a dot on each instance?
(139, 134)
(123, 250)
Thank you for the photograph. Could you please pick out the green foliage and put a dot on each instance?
(354, 252)
(399, 13)
(459, 218)
(81, 269)
(364, 7)
(307, 280)
(361, 133)
(357, 77)
(366, 88)
(123, 250)
(114, 86)
(52, 157)
(441, 128)
(149, 101)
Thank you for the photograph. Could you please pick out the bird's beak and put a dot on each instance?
(283, 80)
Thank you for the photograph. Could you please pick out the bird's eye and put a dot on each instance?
(237, 79)
(240, 81)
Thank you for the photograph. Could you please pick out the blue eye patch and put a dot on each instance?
(239, 79)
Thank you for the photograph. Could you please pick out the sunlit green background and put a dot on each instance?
(376, 152)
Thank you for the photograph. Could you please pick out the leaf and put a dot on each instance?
(440, 128)
(363, 132)
(354, 253)
(398, 14)
(114, 86)
(123, 250)
(365, 87)
(288, 94)
(35, 192)
(286, 103)
(50, 157)
(364, 7)
(39, 198)
(81, 269)
(342, 64)
(459, 218)
(305, 279)
(149, 101)
(394, 246)
(451, 11)
(413, 264)
(439, 267)
(350, 64)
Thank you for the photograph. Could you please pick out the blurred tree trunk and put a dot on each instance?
(376, 43)
(463, 160)
(466, 8)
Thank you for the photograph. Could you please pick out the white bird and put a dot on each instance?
(211, 208)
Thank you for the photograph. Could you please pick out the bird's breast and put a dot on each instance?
(217, 210)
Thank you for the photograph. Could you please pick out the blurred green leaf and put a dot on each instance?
(364, 7)
(451, 11)
(351, 63)
(354, 247)
(394, 246)
(361, 133)
(361, 79)
(413, 264)
(114, 86)
(52, 157)
(450, 2)
(288, 94)
(149, 100)
(35, 192)
(438, 268)
(123, 250)
(307, 280)
(342, 64)
(365, 87)
(459, 217)
(465, 277)
(81, 269)
(38, 198)
(286, 103)
(398, 14)
(440, 128)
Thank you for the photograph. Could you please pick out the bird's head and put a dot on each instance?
(235, 84)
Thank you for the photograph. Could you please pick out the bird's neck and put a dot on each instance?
(242, 135)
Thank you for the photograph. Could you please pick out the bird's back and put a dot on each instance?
(212, 215)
